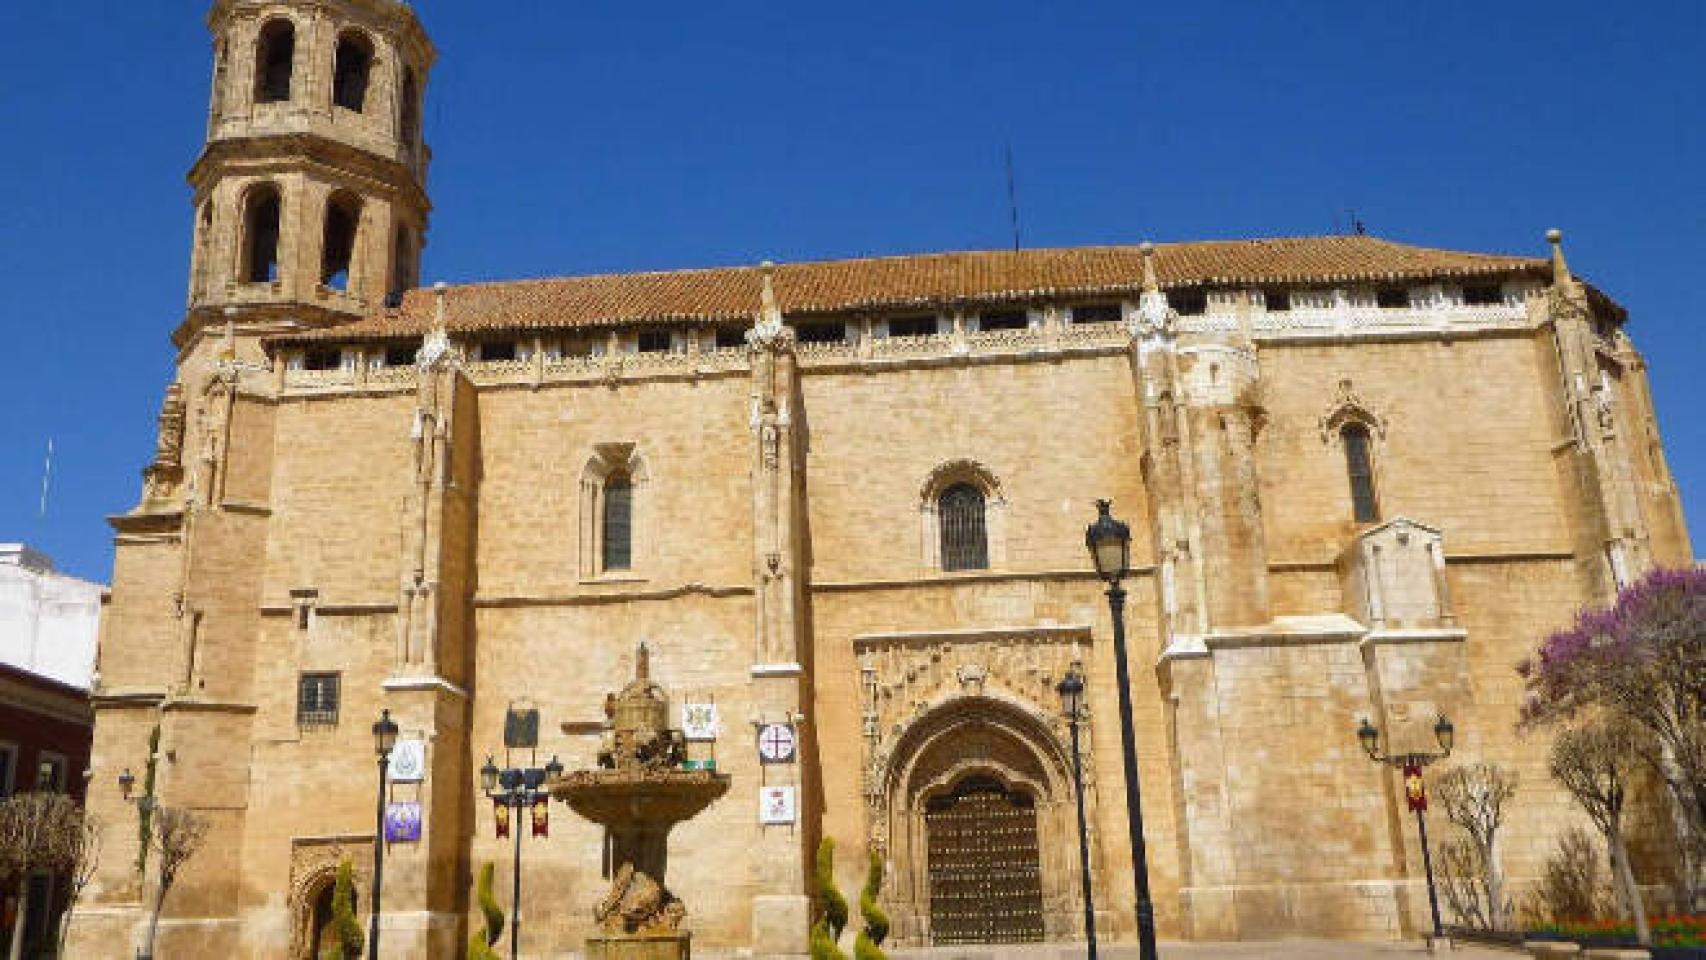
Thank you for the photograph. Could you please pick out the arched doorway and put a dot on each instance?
(975, 814)
(984, 863)
(314, 934)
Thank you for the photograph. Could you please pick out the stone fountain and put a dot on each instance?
(639, 792)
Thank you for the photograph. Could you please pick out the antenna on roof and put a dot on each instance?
(1012, 198)
(46, 478)
(1357, 226)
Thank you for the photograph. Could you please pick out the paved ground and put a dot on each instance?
(1264, 950)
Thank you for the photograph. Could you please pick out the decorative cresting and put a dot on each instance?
(941, 710)
(638, 793)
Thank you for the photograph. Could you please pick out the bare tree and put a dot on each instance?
(34, 833)
(82, 858)
(1474, 797)
(177, 835)
(1594, 762)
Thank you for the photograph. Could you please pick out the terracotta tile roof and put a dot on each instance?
(924, 281)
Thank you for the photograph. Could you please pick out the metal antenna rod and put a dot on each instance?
(1012, 198)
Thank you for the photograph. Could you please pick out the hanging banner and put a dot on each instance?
(1415, 793)
(402, 822)
(542, 816)
(500, 811)
(699, 721)
(776, 743)
(408, 762)
(776, 805)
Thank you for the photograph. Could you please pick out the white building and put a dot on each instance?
(48, 621)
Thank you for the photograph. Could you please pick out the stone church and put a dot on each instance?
(846, 499)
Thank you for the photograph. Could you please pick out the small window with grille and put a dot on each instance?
(965, 541)
(317, 700)
(1359, 465)
(1277, 301)
(654, 341)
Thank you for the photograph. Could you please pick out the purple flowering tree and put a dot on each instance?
(1641, 660)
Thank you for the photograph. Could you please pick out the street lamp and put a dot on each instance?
(1415, 793)
(384, 738)
(144, 811)
(518, 789)
(1109, 541)
(1071, 690)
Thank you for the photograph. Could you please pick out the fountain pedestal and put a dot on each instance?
(639, 794)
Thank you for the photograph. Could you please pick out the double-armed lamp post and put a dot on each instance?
(1415, 793)
(1109, 541)
(518, 789)
(1071, 690)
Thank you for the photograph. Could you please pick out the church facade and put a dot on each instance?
(843, 500)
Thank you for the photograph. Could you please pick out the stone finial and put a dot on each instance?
(643, 662)
(1153, 318)
(1150, 284)
(1560, 269)
(435, 348)
(767, 325)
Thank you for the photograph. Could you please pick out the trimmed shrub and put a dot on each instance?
(344, 925)
(481, 943)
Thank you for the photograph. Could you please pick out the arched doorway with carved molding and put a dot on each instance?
(972, 806)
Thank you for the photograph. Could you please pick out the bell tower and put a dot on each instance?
(310, 192)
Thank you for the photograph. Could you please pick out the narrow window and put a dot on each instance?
(1096, 313)
(1003, 320)
(965, 543)
(350, 72)
(823, 332)
(912, 327)
(654, 341)
(731, 338)
(1483, 295)
(1392, 298)
(1277, 301)
(1361, 469)
(343, 219)
(409, 123)
(402, 262)
(274, 61)
(51, 773)
(8, 761)
(317, 700)
(260, 227)
(618, 523)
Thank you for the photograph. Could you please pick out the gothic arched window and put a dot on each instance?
(350, 71)
(618, 522)
(1359, 464)
(965, 541)
(261, 218)
(337, 252)
(275, 60)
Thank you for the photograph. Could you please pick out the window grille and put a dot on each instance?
(1361, 470)
(965, 543)
(317, 700)
(618, 523)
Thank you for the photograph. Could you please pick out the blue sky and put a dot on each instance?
(582, 137)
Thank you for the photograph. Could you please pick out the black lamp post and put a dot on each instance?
(518, 789)
(1110, 547)
(384, 738)
(1071, 690)
(1415, 793)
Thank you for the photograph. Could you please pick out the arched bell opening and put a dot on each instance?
(981, 828)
